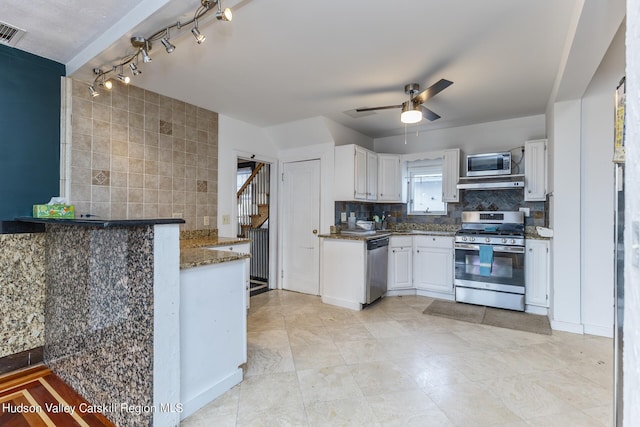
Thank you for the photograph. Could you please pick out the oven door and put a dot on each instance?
(507, 268)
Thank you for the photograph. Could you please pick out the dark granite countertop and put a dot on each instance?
(104, 223)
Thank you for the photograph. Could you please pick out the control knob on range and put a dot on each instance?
(504, 240)
(486, 239)
(464, 238)
(472, 239)
(512, 241)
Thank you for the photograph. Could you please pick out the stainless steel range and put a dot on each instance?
(489, 259)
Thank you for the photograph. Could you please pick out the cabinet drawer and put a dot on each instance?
(242, 248)
(444, 242)
(401, 241)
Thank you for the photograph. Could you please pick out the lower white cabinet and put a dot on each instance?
(241, 248)
(433, 263)
(421, 262)
(343, 272)
(400, 262)
(536, 269)
(213, 332)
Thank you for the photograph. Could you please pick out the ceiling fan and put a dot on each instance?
(413, 110)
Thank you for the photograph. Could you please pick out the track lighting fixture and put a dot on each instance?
(197, 34)
(411, 112)
(134, 69)
(124, 79)
(143, 45)
(224, 15)
(167, 45)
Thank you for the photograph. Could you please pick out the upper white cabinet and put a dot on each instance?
(536, 265)
(535, 170)
(450, 175)
(356, 173)
(389, 178)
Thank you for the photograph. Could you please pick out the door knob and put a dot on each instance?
(315, 231)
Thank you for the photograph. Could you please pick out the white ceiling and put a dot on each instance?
(286, 60)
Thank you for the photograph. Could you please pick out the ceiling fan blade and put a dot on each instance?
(388, 107)
(428, 114)
(432, 90)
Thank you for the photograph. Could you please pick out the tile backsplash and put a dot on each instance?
(138, 154)
(485, 200)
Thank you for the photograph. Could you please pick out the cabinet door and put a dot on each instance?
(389, 178)
(450, 176)
(537, 272)
(433, 264)
(372, 176)
(535, 170)
(360, 171)
(242, 248)
(400, 264)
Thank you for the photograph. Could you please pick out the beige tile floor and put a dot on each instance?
(311, 364)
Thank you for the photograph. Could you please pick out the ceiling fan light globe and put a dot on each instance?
(411, 113)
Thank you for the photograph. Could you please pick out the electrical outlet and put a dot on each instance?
(343, 216)
(206, 220)
(226, 219)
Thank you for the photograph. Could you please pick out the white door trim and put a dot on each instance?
(273, 211)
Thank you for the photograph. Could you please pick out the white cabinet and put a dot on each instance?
(389, 178)
(355, 173)
(213, 332)
(450, 175)
(433, 263)
(535, 170)
(536, 266)
(400, 262)
(343, 272)
(242, 248)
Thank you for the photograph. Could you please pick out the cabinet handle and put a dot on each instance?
(434, 239)
(529, 191)
(394, 251)
(418, 251)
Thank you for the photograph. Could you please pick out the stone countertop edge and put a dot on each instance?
(355, 237)
(388, 233)
(211, 242)
(197, 257)
(103, 223)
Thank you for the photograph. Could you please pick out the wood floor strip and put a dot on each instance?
(41, 389)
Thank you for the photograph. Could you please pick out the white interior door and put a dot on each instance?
(301, 222)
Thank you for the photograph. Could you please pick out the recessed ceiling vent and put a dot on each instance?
(10, 35)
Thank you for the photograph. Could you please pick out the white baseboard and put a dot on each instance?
(342, 303)
(213, 392)
(534, 309)
(601, 331)
(431, 294)
(400, 292)
(575, 328)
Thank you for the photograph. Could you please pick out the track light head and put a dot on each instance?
(167, 45)
(197, 34)
(224, 15)
(134, 69)
(124, 79)
(108, 84)
(93, 92)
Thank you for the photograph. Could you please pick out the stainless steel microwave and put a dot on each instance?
(489, 164)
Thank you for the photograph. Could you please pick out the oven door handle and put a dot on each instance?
(500, 249)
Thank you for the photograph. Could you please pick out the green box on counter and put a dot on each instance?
(54, 211)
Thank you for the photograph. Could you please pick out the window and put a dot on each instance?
(425, 188)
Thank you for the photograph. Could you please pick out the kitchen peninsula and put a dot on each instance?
(117, 321)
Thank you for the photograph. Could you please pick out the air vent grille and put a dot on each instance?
(9, 34)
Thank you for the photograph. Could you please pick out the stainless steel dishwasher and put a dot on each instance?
(377, 262)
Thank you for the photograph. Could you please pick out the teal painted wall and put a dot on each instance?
(29, 131)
